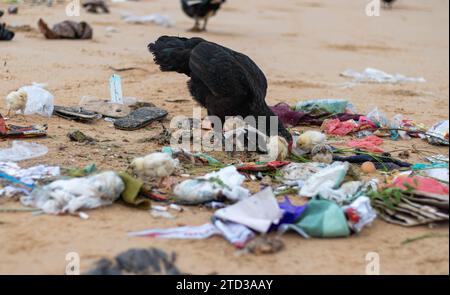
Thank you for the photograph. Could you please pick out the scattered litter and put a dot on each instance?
(381, 162)
(369, 143)
(78, 136)
(214, 186)
(66, 30)
(20, 181)
(104, 107)
(185, 232)
(237, 234)
(157, 19)
(258, 212)
(151, 261)
(330, 106)
(76, 114)
(291, 213)
(14, 131)
(328, 178)
(115, 86)
(70, 196)
(439, 133)
(140, 118)
(321, 219)
(411, 201)
(371, 75)
(360, 214)
(22, 150)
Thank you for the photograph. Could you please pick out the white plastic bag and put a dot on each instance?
(40, 101)
(22, 150)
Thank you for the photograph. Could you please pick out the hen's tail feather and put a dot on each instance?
(172, 54)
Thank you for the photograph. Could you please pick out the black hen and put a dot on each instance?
(5, 34)
(225, 82)
(201, 10)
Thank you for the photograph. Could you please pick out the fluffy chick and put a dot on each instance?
(156, 165)
(308, 140)
(322, 153)
(277, 148)
(17, 101)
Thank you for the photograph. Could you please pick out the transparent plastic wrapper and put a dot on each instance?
(371, 75)
(70, 196)
(40, 101)
(22, 150)
(155, 18)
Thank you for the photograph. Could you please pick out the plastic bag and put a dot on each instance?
(70, 196)
(22, 150)
(332, 106)
(40, 101)
(321, 219)
(328, 178)
(226, 182)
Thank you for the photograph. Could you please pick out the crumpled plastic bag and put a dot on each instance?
(226, 182)
(40, 101)
(360, 214)
(70, 196)
(321, 219)
(258, 212)
(328, 178)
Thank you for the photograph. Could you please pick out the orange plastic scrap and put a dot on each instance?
(369, 143)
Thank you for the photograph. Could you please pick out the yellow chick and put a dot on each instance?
(17, 101)
(156, 165)
(308, 140)
(277, 149)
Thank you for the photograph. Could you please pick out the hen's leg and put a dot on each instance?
(196, 27)
(205, 23)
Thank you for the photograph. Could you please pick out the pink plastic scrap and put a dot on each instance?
(336, 127)
(421, 185)
(369, 143)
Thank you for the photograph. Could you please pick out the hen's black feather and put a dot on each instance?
(225, 82)
(5, 34)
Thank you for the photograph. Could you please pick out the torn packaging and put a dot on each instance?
(258, 212)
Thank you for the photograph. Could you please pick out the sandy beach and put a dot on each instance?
(301, 45)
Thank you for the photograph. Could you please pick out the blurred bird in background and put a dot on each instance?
(201, 10)
(388, 3)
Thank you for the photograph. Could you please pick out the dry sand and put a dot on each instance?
(302, 46)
